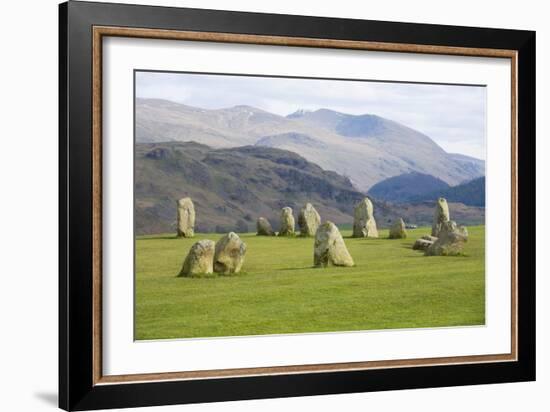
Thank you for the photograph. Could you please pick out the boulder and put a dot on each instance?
(422, 244)
(229, 254)
(200, 259)
(308, 220)
(264, 228)
(364, 224)
(450, 241)
(441, 215)
(398, 231)
(287, 222)
(329, 247)
(430, 238)
(186, 217)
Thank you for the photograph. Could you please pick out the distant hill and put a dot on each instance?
(471, 193)
(405, 187)
(232, 187)
(366, 148)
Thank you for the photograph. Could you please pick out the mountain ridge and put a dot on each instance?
(366, 148)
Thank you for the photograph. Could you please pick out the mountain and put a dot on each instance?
(471, 193)
(232, 187)
(475, 166)
(365, 148)
(403, 188)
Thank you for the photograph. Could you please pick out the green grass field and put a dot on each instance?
(391, 286)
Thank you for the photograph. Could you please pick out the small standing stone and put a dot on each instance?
(441, 215)
(364, 224)
(308, 220)
(264, 228)
(450, 241)
(329, 247)
(186, 217)
(287, 222)
(229, 254)
(398, 231)
(200, 259)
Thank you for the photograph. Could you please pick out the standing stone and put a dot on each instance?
(264, 228)
(398, 231)
(364, 224)
(441, 215)
(450, 242)
(229, 254)
(287, 222)
(329, 247)
(186, 217)
(308, 220)
(200, 259)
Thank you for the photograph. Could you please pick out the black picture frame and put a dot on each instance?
(77, 390)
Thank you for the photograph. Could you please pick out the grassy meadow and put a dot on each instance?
(278, 291)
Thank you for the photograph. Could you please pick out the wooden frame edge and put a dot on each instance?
(98, 32)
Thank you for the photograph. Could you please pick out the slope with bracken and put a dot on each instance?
(232, 187)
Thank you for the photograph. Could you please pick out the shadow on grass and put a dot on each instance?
(159, 237)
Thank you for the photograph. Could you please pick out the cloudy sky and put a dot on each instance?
(453, 116)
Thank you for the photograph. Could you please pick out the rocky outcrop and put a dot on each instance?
(186, 217)
(441, 215)
(200, 259)
(287, 222)
(450, 241)
(364, 224)
(308, 220)
(329, 247)
(229, 254)
(264, 228)
(398, 231)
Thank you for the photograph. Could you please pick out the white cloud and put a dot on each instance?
(452, 115)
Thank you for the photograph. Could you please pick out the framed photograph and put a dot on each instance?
(256, 205)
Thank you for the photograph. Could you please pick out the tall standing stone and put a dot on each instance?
(200, 259)
(229, 254)
(398, 230)
(287, 222)
(308, 220)
(441, 215)
(450, 241)
(329, 247)
(364, 224)
(263, 227)
(186, 217)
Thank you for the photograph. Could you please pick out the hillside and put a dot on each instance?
(365, 148)
(471, 193)
(403, 188)
(232, 187)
